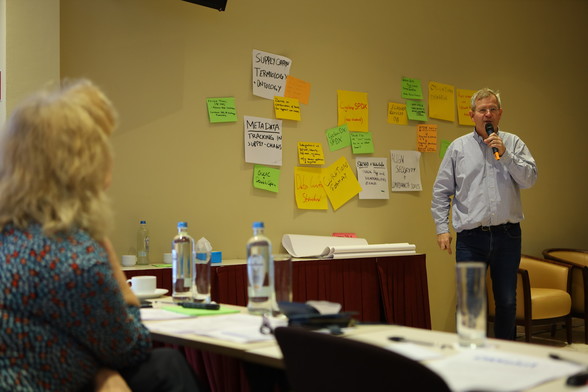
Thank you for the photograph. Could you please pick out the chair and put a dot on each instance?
(319, 362)
(578, 259)
(543, 295)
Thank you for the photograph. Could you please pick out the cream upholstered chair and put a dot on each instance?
(578, 259)
(543, 295)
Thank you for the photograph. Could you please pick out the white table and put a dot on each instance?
(268, 354)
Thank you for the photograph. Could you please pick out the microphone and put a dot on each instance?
(489, 131)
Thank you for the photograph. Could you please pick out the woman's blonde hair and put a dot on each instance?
(56, 158)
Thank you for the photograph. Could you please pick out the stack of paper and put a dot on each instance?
(299, 245)
(375, 250)
(340, 247)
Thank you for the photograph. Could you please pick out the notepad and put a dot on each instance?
(200, 312)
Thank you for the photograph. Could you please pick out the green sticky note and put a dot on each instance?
(199, 312)
(411, 89)
(443, 147)
(362, 142)
(266, 178)
(221, 110)
(416, 110)
(338, 137)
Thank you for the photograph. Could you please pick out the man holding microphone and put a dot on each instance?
(483, 172)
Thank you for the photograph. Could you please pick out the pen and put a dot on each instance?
(577, 379)
(405, 340)
(560, 358)
(199, 305)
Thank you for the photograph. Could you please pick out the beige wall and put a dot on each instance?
(32, 47)
(159, 60)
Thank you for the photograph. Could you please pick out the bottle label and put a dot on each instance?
(256, 273)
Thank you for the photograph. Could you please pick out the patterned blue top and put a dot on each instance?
(62, 315)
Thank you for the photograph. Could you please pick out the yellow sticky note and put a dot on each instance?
(308, 189)
(340, 183)
(287, 108)
(296, 88)
(464, 105)
(397, 113)
(426, 137)
(310, 154)
(352, 109)
(441, 101)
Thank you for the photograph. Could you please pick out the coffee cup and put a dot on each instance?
(143, 284)
(129, 260)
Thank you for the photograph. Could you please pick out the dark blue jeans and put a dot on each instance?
(500, 248)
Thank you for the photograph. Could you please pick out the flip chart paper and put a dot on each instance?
(372, 175)
(397, 113)
(299, 89)
(464, 105)
(221, 110)
(416, 110)
(263, 140)
(405, 169)
(441, 101)
(352, 109)
(427, 137)
(287, 108)
(300, 245)
(338, 137)
(310, 154)
(269, 74)
(266, 178)
(362, 142)
(411, 89)
(308, 188)
(340, 183)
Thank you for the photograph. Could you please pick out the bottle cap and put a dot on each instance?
(258, 225)
(182, 224)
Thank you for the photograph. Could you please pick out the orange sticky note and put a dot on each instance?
(296, 88)
(426, 137)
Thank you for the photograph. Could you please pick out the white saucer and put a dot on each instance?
(157, 293)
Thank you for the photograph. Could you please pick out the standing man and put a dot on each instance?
(487, 209)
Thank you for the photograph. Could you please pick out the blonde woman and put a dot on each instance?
(68, 317)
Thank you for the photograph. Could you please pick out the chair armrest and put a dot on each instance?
(576, 257)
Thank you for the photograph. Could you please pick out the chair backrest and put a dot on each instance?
(579, 259)
(320, 362)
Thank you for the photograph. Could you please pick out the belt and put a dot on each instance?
(496, 227)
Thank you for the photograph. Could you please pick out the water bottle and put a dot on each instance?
(260, 272)
(202, 266)
(143, 244)
(182, 264)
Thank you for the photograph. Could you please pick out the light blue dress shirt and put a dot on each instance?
(485, 191)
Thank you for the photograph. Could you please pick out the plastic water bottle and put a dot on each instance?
(260, 272)
(202, 266)
(143, 243)
(182, 264)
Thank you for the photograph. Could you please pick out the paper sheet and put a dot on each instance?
(239, 328)
(373, 250)
(299, 245)
(490, 370)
